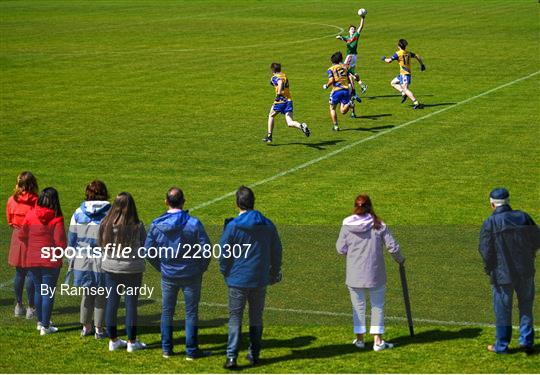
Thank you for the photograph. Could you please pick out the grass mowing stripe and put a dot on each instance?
(331, 313)
(363, 140)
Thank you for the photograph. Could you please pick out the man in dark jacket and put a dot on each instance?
(250, 260)
(170, 245)
(509, 240)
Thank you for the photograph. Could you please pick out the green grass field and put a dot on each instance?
(149, 94)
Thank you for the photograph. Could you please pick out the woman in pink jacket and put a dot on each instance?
(362, 239)
(23, 199)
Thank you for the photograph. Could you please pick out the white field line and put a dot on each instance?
(349, 315)
(363, 140)
(167, 51)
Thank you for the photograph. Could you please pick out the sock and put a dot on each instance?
(353, 93)
(415, 102)
(269, 135)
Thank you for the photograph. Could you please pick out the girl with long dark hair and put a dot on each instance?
(121, 228)
(43, 228)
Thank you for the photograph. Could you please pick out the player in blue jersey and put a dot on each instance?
(282, 103)
(340, 80)
(403, 80)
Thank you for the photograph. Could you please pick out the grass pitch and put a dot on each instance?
(149, 94)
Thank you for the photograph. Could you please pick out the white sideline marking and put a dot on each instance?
(363, 140)
(348, 315)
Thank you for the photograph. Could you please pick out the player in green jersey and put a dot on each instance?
(352, 51)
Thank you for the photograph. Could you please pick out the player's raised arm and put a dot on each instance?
(361, 26)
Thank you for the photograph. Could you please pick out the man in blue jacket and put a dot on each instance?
(170, 245)
(250, 260)
(509, 240)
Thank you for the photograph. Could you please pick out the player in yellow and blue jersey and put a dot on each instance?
(340, 80)
(403, 80)
(282, 103)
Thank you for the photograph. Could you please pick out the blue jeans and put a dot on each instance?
(237, 302)
(24, 278)
(192, 294)
(44, 300)
(502, 305)
(112, 280)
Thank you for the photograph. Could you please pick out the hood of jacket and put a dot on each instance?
(171, 222)
(44, 214)
(359, 223)
(251, 221)
(27, 198)
(95, 210)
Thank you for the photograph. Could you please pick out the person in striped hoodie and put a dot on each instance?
(86, 269)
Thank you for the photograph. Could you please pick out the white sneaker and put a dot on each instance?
(363, 88)
(384, 345)
(39, 326)
(85, 332)
(19, 310)
(118, 344)
(359, 344)
(137, 345)
(46, 331)
(30, 313)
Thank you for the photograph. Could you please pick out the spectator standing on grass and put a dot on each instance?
(43, 227)
(176, 236)
(122, 228)
(509, 240)
(86, 267)
(250, 261)
(361, 240)
(23, 200)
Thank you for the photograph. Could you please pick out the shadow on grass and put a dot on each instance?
(218, 342)
(437, 335)
(374, 129)
(7, 301)
(374, 117)
(437, 104)
(317, 145)
(387, 96)
(534, 352)
(147, 327)
(326, 351)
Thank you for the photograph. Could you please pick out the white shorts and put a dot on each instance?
(350, 60)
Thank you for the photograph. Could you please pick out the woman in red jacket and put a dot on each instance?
(43, 227)
(23, 199)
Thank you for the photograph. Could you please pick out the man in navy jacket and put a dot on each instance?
(250, 260)
(171, 244)
(509, 240)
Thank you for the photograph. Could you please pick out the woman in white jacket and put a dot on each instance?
(361, 239)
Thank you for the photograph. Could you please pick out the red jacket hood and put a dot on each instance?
(27, 198)
(44, 214)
